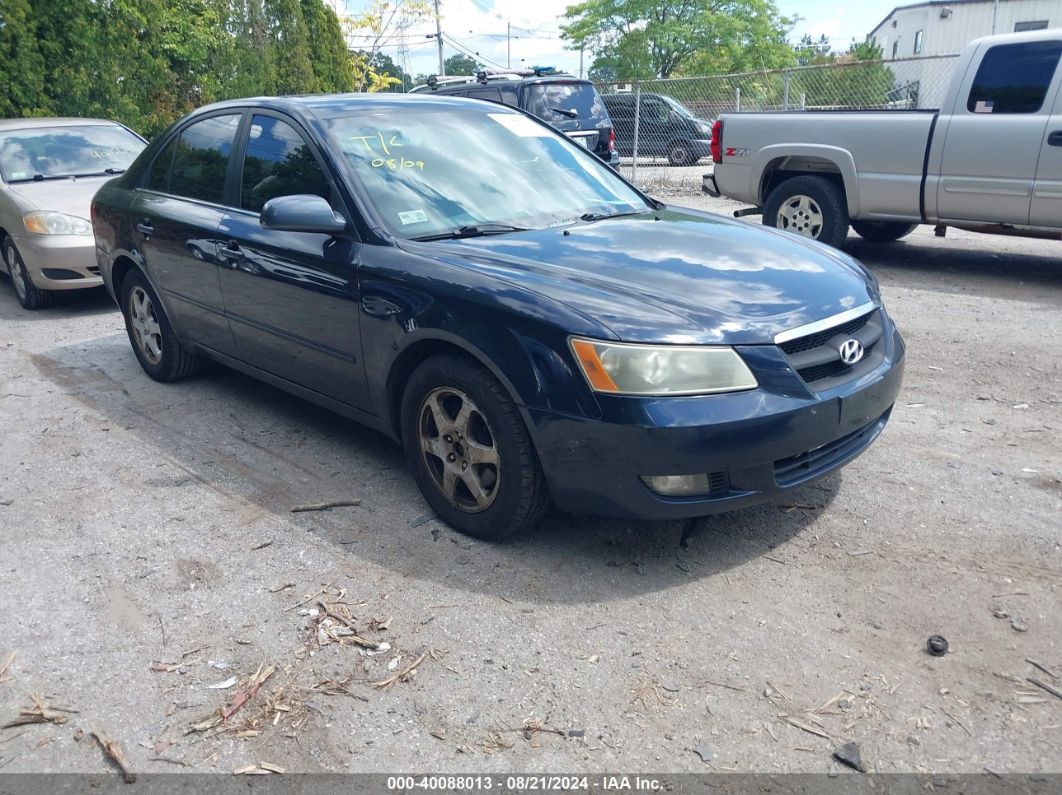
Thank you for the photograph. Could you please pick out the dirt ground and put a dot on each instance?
(151, 557)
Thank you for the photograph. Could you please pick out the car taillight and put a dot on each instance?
(717, 141)
(611, 140)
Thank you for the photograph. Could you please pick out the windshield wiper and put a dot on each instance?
(603, 216)
(571, 114)
(473, 231)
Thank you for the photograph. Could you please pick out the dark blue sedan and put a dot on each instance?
(528, 325)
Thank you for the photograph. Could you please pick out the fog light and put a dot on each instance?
(678, 485)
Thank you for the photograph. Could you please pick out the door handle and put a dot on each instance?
(1055, 138)
(145, 227)
(232, 253)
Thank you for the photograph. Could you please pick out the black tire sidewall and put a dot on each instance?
(168, 367)
(826, 194)
(882, 231)
(507, 514)
(683, 150)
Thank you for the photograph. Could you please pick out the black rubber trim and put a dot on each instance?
(925, 169)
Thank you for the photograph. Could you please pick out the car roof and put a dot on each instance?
(326, 106)
(54, 121)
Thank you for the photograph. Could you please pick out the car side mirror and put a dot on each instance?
(302, 213)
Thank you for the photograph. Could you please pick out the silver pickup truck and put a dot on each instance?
(990, 159)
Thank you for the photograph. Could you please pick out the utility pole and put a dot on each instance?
(995, 12)
(508, 46)
(581, 61)
(438, 39)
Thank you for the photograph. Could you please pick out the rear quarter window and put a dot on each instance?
(1014, 78)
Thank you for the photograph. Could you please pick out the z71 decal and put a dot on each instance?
(734, 151)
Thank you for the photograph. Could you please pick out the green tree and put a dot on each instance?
(460, 64)
(331, 62)
(21, 62)
(290, 38)
(670, 37)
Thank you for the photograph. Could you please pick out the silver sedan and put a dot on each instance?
(49, 171)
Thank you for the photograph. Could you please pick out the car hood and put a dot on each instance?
(71, 196)
(676, 276)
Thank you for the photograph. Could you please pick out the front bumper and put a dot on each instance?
(755, 445)
(60, 262)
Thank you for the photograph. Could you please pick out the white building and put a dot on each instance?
(942, 28)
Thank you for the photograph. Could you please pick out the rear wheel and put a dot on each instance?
(470, 452)
(882, 231)
(154, 342)
(28, 294)
(809, 206)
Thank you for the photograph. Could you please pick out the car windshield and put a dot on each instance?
(52, 152)
(677, 106)
(437, 169)
(566, 101)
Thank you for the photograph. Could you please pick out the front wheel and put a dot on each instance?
(154, 342)
(28, 294)
(679, 154)
(470, 452)
(882, 231)
(809, 206)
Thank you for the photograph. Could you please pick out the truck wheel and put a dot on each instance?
(678, 154)
(882, 231)
(469, 450)
(809, 206)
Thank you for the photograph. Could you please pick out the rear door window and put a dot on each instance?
(202, 158)
(279, 162)
(159, 176)
(1014, 78)
(558, 102)
(488, 93)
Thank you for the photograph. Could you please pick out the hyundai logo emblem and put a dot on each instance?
(851, 351)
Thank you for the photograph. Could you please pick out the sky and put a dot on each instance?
(479, 26)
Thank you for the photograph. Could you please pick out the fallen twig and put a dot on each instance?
(5, 665)
(326, 506)
(386, 683)
(38, 713)
(263, 545)
(246, 693)
(355, 638)
(808, 728)
(961, 724)
(112, 749)
(1033, 663)
(1044, 686)
(311, 597)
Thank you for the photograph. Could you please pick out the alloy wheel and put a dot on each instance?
(15, 271)
(801, 214)
(459, 449)
(147, 332)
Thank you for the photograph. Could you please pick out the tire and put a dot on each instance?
(469, 450)
(809, 206)
(679, 154)
(28, 294)
(882, 231)
(154, 342)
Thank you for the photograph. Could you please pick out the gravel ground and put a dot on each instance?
(150, 553)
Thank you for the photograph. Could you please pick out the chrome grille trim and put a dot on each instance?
(824, 324)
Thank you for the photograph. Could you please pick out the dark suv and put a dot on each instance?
(569, 104)
(666, 128)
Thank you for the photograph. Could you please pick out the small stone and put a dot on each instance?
(1018, 624)
(669, 686)
(937, 645)
(435, 534)
(848, 754)
(576, 732)
(705, 752)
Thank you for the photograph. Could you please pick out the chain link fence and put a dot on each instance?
(663, 126)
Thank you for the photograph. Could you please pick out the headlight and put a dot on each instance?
(661, 369)
(56, 224)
